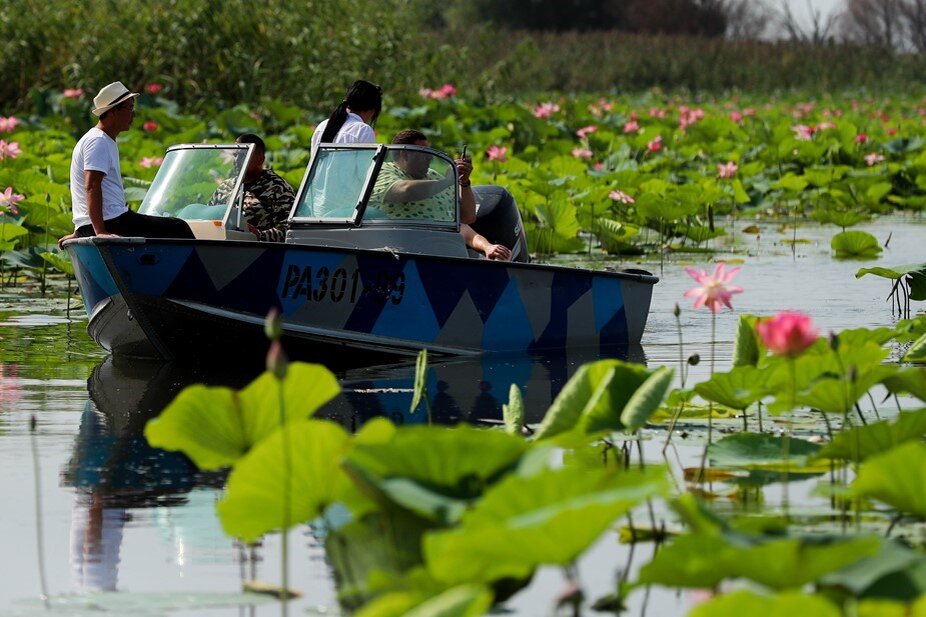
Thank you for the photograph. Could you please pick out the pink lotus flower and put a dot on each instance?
(655, 144)
(497, 153)
(891, 131)
(657, 112)
(736, 117)
(631, 126)
(598, 109)
(871, 159)
(803, 132)
(8, 125)
(444, 92)
(621, 196)
(787, 333)
(150, 127)
(8, 200)
(687, 117)
(154, 88)
(727, 170)
(9, 150)
(598, 166)
(72, 93)
(861, 138)
(749, 111)
(150, 161)
(714, 289)
(585, 130)
(825, 126)
(545, 110)
(582, 153)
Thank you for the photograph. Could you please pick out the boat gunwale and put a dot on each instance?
(636, 275)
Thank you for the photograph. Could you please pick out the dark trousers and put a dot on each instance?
(142, 226)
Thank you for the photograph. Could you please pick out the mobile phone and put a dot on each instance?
(463, 155)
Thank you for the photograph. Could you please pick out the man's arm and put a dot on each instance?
(93, 181)
(417, 190)
(481, 243)
(467, 199)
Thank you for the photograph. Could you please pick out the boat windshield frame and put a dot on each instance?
(232, 215)
(358, 208)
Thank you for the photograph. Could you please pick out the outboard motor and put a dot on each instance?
(498, 219)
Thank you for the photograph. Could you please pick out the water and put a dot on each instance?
(116, 514)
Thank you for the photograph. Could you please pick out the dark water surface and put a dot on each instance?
(117, 514)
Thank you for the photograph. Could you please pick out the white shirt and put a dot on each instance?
(353, 131)
(96, 151)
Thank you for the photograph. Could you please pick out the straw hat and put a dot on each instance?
(110, 96)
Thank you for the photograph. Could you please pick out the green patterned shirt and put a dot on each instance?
(440, 207)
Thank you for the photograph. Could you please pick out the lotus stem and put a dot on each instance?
(287, 479)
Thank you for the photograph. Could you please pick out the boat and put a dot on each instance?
(355, 281)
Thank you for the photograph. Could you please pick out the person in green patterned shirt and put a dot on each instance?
(407, 188)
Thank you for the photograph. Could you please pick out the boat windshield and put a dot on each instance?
(378, 183)
(197, 182)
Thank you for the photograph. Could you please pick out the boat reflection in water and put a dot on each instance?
(118, 478)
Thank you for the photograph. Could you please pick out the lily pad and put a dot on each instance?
(525, 522)
(216, 426)
(763, 452)
(854, 244)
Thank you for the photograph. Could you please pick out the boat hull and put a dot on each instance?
(182, 299)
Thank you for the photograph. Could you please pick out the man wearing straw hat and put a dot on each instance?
(97, 193)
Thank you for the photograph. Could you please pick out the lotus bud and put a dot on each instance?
(694, 359)
(32, 423)
(834, 341)
(677, 310)
(273, 326)
(277, 362)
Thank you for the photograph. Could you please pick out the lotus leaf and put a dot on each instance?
(896, 477)
(760, 451)
(861, 442)
(217, 426)
(739, 388)
(462, 601)
(299, 463)
(855, 244)
(458, 463)
(705, 561)
(524, 522)
(744, 602)
(891, 573)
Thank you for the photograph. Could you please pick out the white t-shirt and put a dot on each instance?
(353, 131)
(96, 151)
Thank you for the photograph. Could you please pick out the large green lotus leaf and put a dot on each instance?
(910, 380)
(646, 399)
(559, 217)
(593, 399)
(524, 522)
(855, 244)
(461, 601)
(706, 561)
(893, 272)
(761, 451)
(216, 426)
(835, 395)
(897, 477)
(748, 347)
(739, 388)
(58, 262)
(885, 573)
(309, 453)
(457, 461)
(788, 604)
(917, 351)
(861, 442)
(791, 182)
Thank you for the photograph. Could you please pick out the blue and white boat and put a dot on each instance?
(354, 284)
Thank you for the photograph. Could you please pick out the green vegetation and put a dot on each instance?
(426, 520)
(228, 52)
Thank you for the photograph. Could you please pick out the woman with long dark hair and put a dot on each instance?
(352, 119)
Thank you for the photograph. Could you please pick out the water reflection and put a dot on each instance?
(119, 478)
